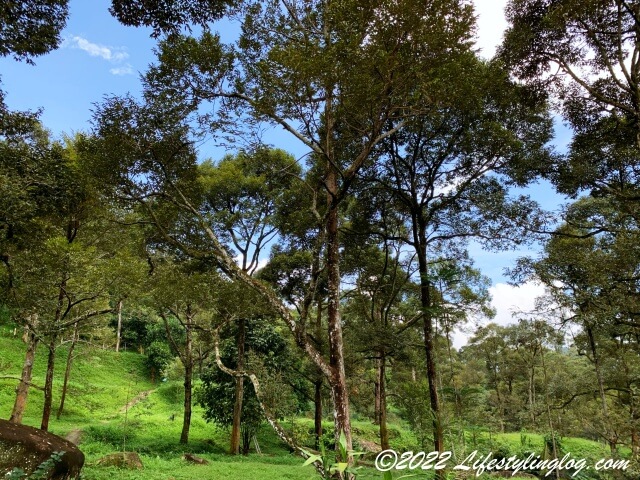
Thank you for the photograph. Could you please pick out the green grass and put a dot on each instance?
(103, 382)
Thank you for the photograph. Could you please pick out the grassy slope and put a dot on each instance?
(103, 382)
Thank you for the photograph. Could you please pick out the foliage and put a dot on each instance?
(158, 357)
(329, 465)
(32, 27)
(170, 17)
(270, 360)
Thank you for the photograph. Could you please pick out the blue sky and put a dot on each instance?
(99, 57)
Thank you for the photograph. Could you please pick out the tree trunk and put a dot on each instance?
(22, 390)
(338, 382)
(119, 329)
(532, 396)
(384, 432)
(51, 360)
(596, 362)
(188, 381)
(237, 407)
(67, 371)
(48, 383)
(376, 395)
(317, 418)
(432, 377)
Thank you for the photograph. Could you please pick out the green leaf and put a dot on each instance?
(312, 459)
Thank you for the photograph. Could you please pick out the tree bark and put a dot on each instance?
(22, 390)
(338, 382)
(67, 371)
(384, 432)
(317, 418)
(119, 329)
(376, 395)
(237, 407)
(425, 301)
(188, 382)
(48, 383)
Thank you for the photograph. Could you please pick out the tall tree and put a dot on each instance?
(241, 196)
(445, 176)
(340, 77)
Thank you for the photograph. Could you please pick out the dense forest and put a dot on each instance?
(270, 287)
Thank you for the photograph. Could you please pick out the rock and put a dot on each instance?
(129, 460)
(27, 448)
(190, 457)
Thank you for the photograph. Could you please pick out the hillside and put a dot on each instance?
(103, 383)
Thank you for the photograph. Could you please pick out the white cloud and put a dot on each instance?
(114, 55)
(123, 70)
(508, 301)
(96, 50)
(491, 25)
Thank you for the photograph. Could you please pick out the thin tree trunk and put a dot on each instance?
(119, 329)
(603, 398)
(317, 418)
(554, 444)
(376, 395)
(48, 383)
(237, 407)
(338, 382)
(22, 390)
(532, 396)
(51, 359)
(188, 381)
(384, 432)
(67, 371)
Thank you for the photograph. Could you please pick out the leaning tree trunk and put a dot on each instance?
(22, 390)
(67, 371)
(237, 407)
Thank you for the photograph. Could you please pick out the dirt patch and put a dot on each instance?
(129, 460)
(137, 399)
(74, 436)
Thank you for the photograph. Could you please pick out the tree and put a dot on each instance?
(267, 354)
(373, 315)
(445, 179)
(32, 27)
(586, 55)
(341, 82)
(241, 196)
(589, 272)
(183, 292)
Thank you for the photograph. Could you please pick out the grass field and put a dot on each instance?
(103, 383)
